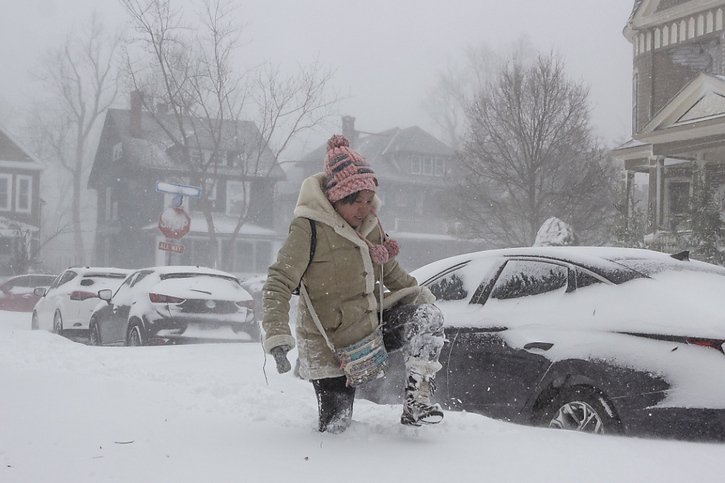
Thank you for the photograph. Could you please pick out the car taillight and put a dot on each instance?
(82, 295)
(158, 298)
(711, 343)
(247, 304)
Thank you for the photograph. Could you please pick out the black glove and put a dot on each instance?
(280, 357)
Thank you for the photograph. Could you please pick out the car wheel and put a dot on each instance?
(34, 324)
(581, 408)
(57, 323)
(94, 334)
(135, 336)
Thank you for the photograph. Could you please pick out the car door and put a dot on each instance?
(53, 298)
(113, 319)
(115, 325)
(499, 363)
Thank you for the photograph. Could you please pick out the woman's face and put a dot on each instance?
(354, 213)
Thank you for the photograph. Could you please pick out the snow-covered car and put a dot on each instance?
(65, 307)
(160, 305)
(595, 339)
(18, 293)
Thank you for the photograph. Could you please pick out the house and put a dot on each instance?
(414, 170)
(136, 151)
(678, 111)
(20, 205)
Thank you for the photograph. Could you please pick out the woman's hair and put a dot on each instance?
(350, 199)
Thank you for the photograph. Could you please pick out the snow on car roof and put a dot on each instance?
(101, 271)
(162, 270)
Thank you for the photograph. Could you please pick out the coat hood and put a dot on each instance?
(313, 204)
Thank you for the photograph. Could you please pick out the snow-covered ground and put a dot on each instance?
(207, 413)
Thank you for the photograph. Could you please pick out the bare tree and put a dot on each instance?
(456, 87)
(529, 155)
(191, 70)
(81, 77)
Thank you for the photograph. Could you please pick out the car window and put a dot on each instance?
(66, 277)
(584, 279)
(523, 278)
(449, 286)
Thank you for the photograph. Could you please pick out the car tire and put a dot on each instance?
(57, 323)
(94, 334)
(581, 408)
(135, 336)
(34, 324)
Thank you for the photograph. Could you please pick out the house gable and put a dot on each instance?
(703, 99)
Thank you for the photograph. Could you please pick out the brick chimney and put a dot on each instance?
(136, 102)
(348, 130)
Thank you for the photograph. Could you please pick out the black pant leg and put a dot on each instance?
(334, 401)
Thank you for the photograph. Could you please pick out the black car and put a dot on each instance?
(603, 340)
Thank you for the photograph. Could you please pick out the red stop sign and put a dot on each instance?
(174, 223)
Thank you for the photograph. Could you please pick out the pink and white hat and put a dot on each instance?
(346, 170)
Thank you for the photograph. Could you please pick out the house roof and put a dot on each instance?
(649, 13)
(154, 147)
(380, 149)
(14, 155)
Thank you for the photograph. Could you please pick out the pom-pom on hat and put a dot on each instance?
(346, 170)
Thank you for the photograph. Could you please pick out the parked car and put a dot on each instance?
(602, 340)
(65, 306)
(17, 293)
(161, 305)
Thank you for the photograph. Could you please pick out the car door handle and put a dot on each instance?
(544, 346)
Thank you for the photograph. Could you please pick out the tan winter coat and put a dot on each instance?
(341, 282)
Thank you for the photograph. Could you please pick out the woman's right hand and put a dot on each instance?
(280, 357)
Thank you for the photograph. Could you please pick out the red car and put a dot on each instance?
(16, 293)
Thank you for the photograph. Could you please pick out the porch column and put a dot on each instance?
(628, 196)
(656, 203)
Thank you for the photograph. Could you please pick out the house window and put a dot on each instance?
(23, 193)
(234, 158)
(5, 180)
(111, 206)
(440, 167)
(117, 151)
(237, 197)
(415, 165)
(428, 166)
(197, 157)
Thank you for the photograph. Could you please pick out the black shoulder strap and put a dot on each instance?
(313, 246)
(313, 239)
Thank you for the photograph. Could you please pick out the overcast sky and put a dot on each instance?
(386, 53)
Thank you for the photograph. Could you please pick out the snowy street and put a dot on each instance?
(74, 413)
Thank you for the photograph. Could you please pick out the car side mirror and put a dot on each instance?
(105, 294)
(39, 291)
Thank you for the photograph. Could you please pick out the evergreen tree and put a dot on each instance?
(705, 222)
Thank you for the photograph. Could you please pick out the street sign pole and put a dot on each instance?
(174, 222)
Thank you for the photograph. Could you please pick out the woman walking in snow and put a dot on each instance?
(337, 253)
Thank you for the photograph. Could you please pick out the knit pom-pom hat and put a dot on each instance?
(346, 170)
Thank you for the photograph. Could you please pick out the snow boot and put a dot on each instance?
(418, 409)
(334, 404)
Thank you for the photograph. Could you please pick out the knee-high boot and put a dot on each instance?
(418, 409)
